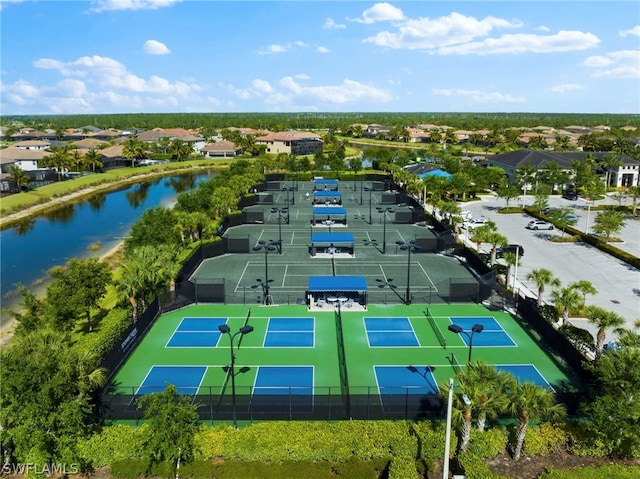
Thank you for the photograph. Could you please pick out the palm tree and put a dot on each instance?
(511, 259)
(180, 149)
(133, 149)
(542, 278)
(603, 320)
(495, 239)
(93, 159)
(489, 394)
(19, 176)
(461, 410)
(585, 287)
(529, 402)
(566, 299)
(59, 159)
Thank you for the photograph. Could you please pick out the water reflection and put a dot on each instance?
(33, 246)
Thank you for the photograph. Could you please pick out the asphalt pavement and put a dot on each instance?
(617, 283)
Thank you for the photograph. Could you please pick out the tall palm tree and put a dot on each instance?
(461, 411)
(93, 159)
(495, 239)
(566, 299)
(542, 278)
(585, 287)
(530, 402)
(603, 320)
(180, 149)
(133, 149)
(19, 176)
(60, 159)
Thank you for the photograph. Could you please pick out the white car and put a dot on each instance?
(475, 223)
(539, 225)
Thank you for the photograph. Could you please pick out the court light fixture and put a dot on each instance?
(225, 329)
(409, 247)
(266, 246)
(384, 212)
(476, 328)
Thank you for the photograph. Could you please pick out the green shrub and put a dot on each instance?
(489, 443)
(356, 469)
(402, 468)
(610, 472)
(431, 436)
(199, 470)
(474, 467)
(166, 470)
(112, 444)
(129, 468)
(544, 440)
(583, 439)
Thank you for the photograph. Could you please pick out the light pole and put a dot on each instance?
(384, 212)
(266, 246)
(369, 190)
(225, 329)
(293, 196)
(447, 435)
(280, 212)
(476, 328)
(410, 246)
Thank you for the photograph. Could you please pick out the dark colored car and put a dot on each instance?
(570, 195)
(511, 248)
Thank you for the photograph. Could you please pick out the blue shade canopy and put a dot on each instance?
(335, 238)
(337, 283)
(327, 194)
(324, 182)
(329, 210)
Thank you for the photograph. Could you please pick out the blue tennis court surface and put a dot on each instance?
(290, 333)
(525, 373)
(405, 380)
(285, 380)
(390, 332)
(196, 333)
(492, 335)
(187, 379)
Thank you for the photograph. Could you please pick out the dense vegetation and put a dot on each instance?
(52, 369)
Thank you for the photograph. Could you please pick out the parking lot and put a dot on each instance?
(618, 284)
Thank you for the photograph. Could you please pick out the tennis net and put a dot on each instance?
(454, 363)
(436, 328)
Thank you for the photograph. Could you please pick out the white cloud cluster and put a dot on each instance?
(479, 96)
(275, 48)
(622, 64)
(154, 47)
(633, 32)
(380, 12)
(565, 87)
(332, 25)
(115, 5)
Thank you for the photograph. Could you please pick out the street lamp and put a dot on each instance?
(384, 212)
(410, 246)
(280, 212)
(293, 196)
(369, 190)
(225, 329)
(476, 328)
(447, 435)
(266, 246)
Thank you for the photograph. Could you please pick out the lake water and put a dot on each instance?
(88, 228)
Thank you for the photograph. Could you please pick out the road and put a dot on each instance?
(617, 283)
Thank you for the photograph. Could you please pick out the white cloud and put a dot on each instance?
(275, 48)
(622, 64)
(154, 47)
(563, 41)
(479, 96)
(332, 25)
(323, 50)
(262, 86)
(5, 2)
(107, 5)
(565, 87)
(425, 33)
(380, 12)
(347, 92)
(635, 31)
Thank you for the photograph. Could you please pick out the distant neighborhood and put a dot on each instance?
(51, 155)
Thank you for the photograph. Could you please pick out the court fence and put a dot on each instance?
(325, 404)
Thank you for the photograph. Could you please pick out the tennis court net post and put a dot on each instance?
(436, 329)
(454, 363)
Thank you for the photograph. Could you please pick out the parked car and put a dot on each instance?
(539, 225)
(475, 223)
(511, 248)
(570, 195)
(571, 218)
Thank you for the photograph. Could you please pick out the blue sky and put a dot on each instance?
(157, 56)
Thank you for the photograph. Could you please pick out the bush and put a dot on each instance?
(583, 439)
(113, 443)
(474, 467)
(489, 443)
(431, 436)
(544, 440)
(402, 468)
(129, 468)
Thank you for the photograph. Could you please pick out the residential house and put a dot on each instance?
(623, 176)
(291, 143)
(221, 149)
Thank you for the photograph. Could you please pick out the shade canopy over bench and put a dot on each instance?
(329, 215)
(332, 243)
(350, 289)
